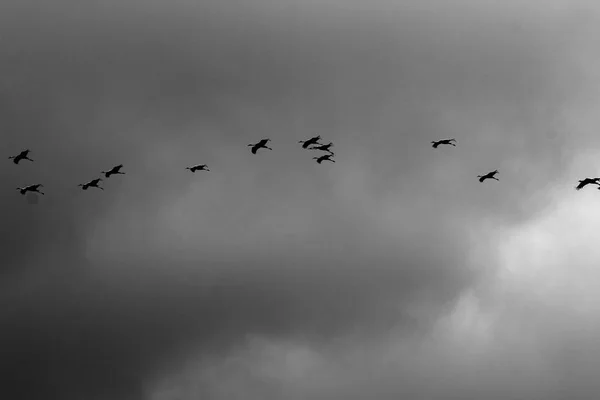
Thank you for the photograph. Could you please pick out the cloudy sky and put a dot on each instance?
(390, 274)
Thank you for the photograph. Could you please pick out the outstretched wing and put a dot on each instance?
(585, 182)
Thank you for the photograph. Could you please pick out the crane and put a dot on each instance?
(261, 144)
(199, 167)
(450, 142)
(116, 170)
(310, 142)
(489, 175)
(92, 183)
(21, 156)
(324, 147)
(31, 188)
(326, 157)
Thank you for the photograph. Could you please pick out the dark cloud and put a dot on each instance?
(105, 292)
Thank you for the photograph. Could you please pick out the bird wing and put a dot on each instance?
(580, 186)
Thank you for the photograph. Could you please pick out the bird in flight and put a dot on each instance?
(199, 167)
(489, 175)
(31, 188)
(587, 181)
(450, 142)
(116, 170)
(21, 156)
(326, 157)
(311, 141)
(261, 144)
(92, 183)
(324, 147)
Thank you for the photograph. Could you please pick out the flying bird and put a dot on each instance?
(326, 157)
(31, 188)
(450, 142)
(489, 175)
(116, 170)
(21, 156)
(261, 144)
(311, 141)
(92, 183)
(199, 167)
(323, 147)
(587, 181)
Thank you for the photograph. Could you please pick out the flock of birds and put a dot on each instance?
(492, 175)
(311, 144)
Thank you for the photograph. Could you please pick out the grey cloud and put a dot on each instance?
(105, 291)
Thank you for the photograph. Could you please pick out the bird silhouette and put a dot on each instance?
(199, 167)
(435, 144)
(93, 183)
(116, 170)
(31, 188)
(21, 156)
(311, 141)
(326, 157)
(323, 147)
(261, 144)
(489, 175)
(587, 181)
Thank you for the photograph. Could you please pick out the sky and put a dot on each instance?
(391, 273)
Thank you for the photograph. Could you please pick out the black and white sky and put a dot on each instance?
(391, 274)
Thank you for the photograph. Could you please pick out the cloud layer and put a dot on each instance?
(356, 271)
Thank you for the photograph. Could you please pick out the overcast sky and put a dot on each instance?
(390, 274)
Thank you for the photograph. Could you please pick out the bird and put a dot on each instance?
(587, 181)
(489, 175)
(261, 144)
(323, 147)
(199, 167)
(326, 157)
(31, 188)
(435, 144)
(21, 156)
(116, 170)
(92, 183)
(310, 142)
